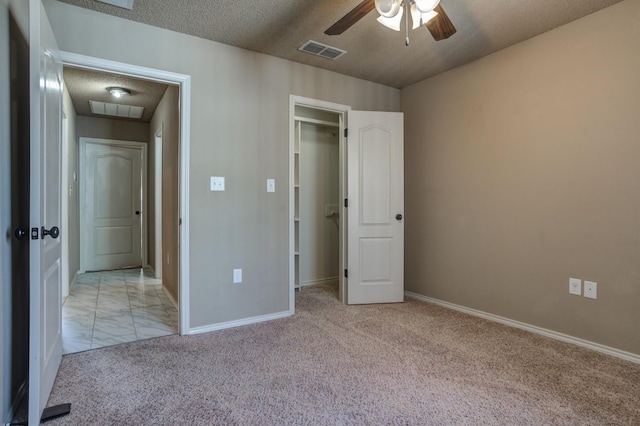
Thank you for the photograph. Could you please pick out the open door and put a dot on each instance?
(375, 187)
(45, 343)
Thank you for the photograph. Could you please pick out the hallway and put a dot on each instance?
(112, 307)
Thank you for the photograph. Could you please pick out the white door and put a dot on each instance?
(112, 209)
(375, 188)
(45, 343)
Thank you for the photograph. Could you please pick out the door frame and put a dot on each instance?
(157, 200)
(183, 81)
(64, 193)
(84, 141)
(342, 112)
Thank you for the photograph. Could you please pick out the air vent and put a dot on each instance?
(323, 50)
(125, 4)
(116, 110)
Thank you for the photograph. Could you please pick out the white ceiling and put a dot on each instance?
(375, 53)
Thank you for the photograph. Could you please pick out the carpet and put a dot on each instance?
(410, 363)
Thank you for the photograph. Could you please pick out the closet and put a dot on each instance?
(316, 196)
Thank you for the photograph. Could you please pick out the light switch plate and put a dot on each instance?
(271, 185)
(237, 276)
(217, 183)
(591, 289)
(575, 286)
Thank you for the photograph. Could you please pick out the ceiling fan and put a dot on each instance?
(427, 12)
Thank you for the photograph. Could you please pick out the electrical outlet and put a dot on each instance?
(575, 286)
(591, 289)
(237, 276)
(216, 183)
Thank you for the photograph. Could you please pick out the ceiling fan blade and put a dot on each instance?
(441, 26)
(351, 18)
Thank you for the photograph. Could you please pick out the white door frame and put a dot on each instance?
(184, 82)
(83, 193)
(157, 201)
(64, 207)
(341, 111)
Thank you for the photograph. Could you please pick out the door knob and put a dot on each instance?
(398, 216)
(137, 212)
(20, 232)
(54, 232)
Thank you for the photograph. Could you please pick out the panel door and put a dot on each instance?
(375, 187)
(113, 209)
(45, 339)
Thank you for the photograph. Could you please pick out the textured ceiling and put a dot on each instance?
(375, 53)
(84, 85)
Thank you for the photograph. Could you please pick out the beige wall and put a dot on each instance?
(167, 118)
(319, 187)
(107, 128)
(522, 171)
(240, 130)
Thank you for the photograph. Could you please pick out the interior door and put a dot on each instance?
(375, 188)
(45, 343)
(113, 185)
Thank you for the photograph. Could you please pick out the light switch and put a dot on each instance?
(237, 276)
(217, 183)
(575, 286)
(271, 185)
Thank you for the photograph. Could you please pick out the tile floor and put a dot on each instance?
(111, 307)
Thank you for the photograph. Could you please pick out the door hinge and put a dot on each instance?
(346, 132)
(346, 202)
(346, 273)
(180, 221)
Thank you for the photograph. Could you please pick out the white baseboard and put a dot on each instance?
(238, 323)
(628, 356)
(173, 301)
(320, 281)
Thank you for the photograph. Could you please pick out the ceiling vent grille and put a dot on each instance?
(116, 110)
(323, 50)
(125, 4)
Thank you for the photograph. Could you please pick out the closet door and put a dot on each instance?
(375, 180)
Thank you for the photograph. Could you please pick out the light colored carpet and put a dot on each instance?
(412, 363)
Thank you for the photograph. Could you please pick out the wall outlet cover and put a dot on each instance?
(237, 276)
(591, 289)
(216, 183)
(575, 286)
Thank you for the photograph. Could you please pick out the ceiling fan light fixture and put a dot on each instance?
(392, 23)
(416, 16)
(388, 8)
(118, 92)
(426, 17)
(425, 6)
